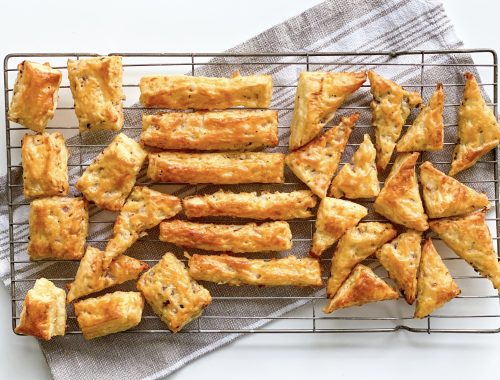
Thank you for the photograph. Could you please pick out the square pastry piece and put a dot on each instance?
(44, 311)
(45, 165)
(109, 179)
(96, 85)
(35, 95)
(58, 228)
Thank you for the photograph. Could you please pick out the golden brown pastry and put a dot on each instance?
(435, 284)
(359, 179)
(271, 236)
(444, 196)
(96, 86)
(184, 92)
(391, 105)
(91, 277)
(361, 287)
(477, 128)
(109, 314)
(219, 168)
(335, 217)
(224, 269)
(275, 206)
(357, 244)
(35, 95)
(469, 237)
(217, 130)
(58, 228)
(318, 96)
(427, 131)
(399, 200)
(110, 177)
(401, 258)
(45, 165)
(316, 162)
(44, 311)
(174, 296)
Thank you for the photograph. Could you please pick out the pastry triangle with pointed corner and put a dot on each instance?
(469, 237)
(335, 217)
(361, 287)
(444, 196)
(318, 97)
(401, 258)
(427, 131)
(316, 162)
(478, 130)
(399, 200)
(435, 284)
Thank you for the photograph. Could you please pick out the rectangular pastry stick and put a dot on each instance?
(218, 130)
(184, 92)
(237, 271)
(217, 168)
(272, 236)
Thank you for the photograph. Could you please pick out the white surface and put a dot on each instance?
(105, 26)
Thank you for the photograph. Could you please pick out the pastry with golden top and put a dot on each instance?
(109, 179)
(435, 284)
(399, 200)
(109, 314)
(45, 165)
(174, 296)
(444, 196)
(316, 162)
(58, 228)
(34, 101)
(216, 130)
(44, 311)
(391, 106)
(478, 130)
(335, 217)
(96, 86)
(230, 270)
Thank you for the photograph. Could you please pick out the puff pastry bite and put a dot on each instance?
(357, 244)
(184, 92)
(174, 296)
(217, 130)
(359, 179)
(143, 210)
(109, 314)
(58, 228)
(91, 277)
(399, 200)
(35, 95)
(271, 236)
(96, 86)
(427, 131)
(401, 258)
(435, 284)
(469, 237)
(316, 162)
(218, 168)
(45, 165)
(391, 106)
(275, 206)
(477, 128)
(444, 196)
(44, 311)
(335, 217)
(361, 287)
(110, 177)
(224, 269)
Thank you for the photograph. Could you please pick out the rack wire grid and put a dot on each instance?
(245, 309)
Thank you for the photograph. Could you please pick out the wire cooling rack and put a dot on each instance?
(241, 309)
